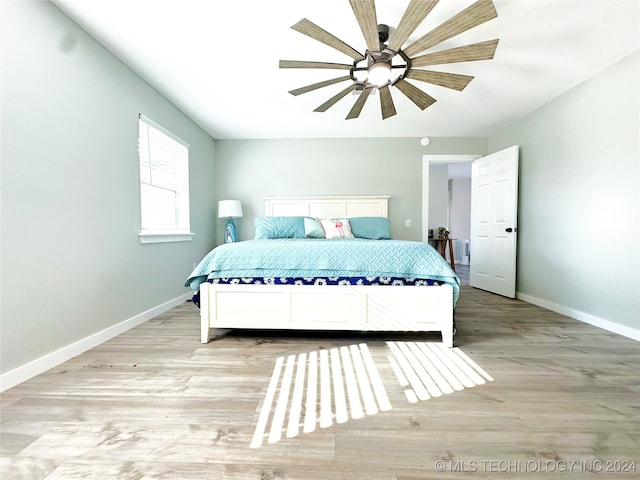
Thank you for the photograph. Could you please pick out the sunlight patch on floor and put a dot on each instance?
(428, 370)
(324, 387)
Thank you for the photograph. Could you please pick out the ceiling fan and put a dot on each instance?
(385, 63)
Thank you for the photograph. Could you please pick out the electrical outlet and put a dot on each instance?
(407, 223)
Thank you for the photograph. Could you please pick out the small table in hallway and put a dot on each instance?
(442, 245)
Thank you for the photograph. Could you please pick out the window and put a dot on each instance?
(164, 184)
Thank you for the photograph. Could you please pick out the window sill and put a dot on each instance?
(165, 237)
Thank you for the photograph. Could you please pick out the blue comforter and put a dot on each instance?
(290, 257)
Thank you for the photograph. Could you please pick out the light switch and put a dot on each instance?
(407, 223)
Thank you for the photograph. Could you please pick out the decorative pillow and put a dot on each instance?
(279, 227)
(374, 228)
(337, 228)
(313, 228)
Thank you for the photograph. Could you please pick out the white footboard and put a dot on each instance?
(310, 307)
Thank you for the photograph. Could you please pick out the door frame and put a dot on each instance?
(427, 160)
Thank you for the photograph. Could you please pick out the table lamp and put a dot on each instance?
(230, 209)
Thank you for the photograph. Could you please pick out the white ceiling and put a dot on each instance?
(217, 60)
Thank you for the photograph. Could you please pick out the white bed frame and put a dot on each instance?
(335, 308)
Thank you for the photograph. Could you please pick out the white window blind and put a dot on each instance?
(164, 184)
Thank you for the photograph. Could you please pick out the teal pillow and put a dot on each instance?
(313, 228)
(279, 227)
(373, 228)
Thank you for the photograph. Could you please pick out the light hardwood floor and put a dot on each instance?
(560, 399)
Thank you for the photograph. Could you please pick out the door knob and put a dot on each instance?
(509, 230)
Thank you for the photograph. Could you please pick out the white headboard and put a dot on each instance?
(327, 206)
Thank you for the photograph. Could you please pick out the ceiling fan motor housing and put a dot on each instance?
(383, 32)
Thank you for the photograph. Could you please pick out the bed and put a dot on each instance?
(325, 263)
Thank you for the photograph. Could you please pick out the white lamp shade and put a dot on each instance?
(379, 74)
(229, 209)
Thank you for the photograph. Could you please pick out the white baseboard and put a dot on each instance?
(46, 362)
(629, 332)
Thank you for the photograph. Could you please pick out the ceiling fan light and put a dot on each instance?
(379, 74)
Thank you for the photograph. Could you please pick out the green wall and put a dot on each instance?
(579, 209)
(72, 264)
(249, 170)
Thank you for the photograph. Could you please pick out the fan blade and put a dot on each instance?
(333, 100)
(303, 64)
(312, 30)
(415, 13)
(454, 81)
(478, 13)
(365, 12)
(468, 53)
(357, 107)
(413, 93)
(386, 103)
(315, 86)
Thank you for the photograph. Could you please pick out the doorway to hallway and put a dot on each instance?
(446, 202)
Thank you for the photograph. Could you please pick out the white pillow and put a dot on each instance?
(337, 228)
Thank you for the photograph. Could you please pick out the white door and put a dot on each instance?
(494, 208)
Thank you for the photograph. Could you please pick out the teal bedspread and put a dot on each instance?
(353, 257)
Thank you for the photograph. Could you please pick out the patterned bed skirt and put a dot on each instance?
(384, 281)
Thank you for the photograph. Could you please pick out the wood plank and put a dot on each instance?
(155, 402)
